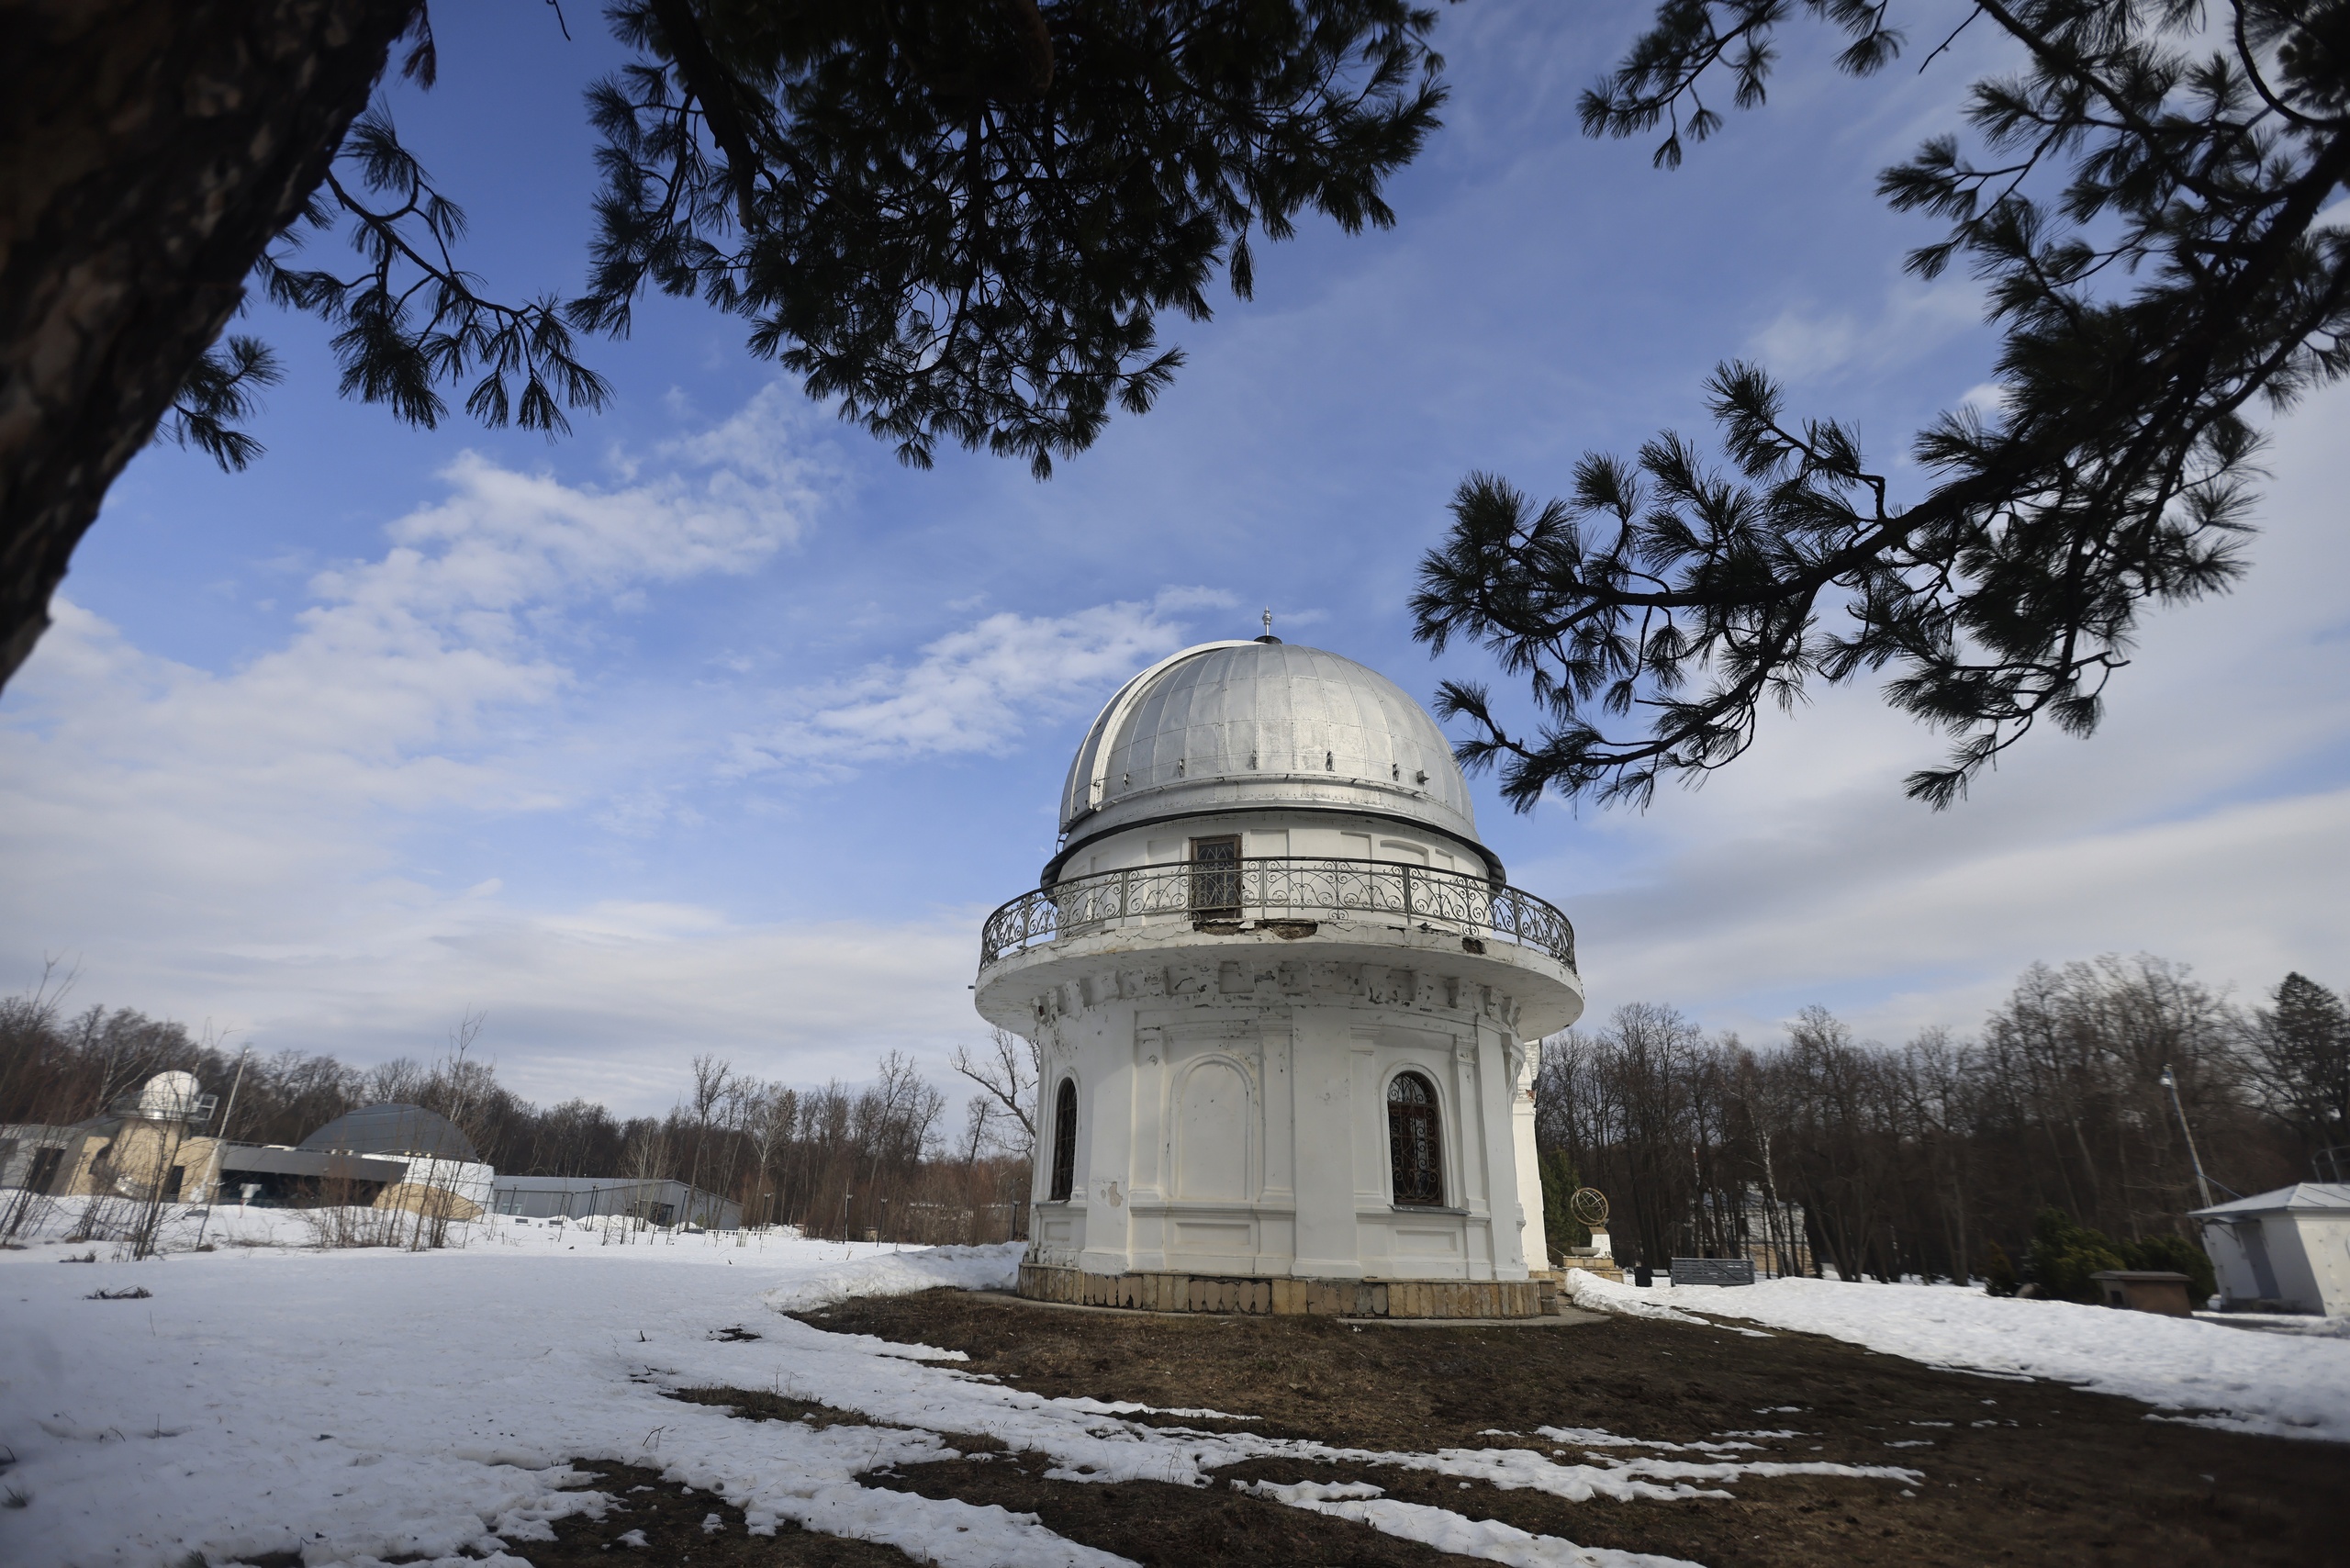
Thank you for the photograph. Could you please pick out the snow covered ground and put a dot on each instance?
(2213, 1374)
(361, 1404)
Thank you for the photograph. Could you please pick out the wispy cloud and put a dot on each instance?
(979, 688)
(237, 842)
(1912, 319)
(2205, 821)
(397, 664)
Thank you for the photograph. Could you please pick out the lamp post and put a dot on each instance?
(2202, 1183)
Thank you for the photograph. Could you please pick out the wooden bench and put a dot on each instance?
(1713, 1271)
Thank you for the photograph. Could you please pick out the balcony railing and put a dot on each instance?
(1277, 889)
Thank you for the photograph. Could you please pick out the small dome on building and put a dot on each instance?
(1266, 725)
(393, 1129)
(170, 1096)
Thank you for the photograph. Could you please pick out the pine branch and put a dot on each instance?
(2117, 476)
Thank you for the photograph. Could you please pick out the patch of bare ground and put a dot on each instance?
(655, 1521)
(762, 1404)
(1162, 1525)
(2011, 1471)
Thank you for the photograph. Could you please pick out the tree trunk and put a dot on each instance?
(149, 149)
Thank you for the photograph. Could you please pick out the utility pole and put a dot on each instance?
(212, 1190)
(2203, 1182)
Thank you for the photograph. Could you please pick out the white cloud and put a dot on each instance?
(400, 666)
(607, 1000)
(1913, 318)
(2208, 820)
(236, 845)
(980, 689)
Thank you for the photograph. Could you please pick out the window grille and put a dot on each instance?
(1216, 879)
(1413, 1147)
(1065, 1142)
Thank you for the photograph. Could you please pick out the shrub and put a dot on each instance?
(2176, 1252)
(1559, 1180)
(1998, 1273)
(2063, 1256)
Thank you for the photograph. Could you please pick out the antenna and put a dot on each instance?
(1269, 621)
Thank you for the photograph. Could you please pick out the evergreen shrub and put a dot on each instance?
(2177, 1253)
(1998, 1272)
(2063, 1256)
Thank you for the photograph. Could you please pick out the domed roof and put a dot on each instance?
(393, 1129)
(170, 1096)
(1240, 724)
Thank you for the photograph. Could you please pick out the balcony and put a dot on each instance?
(1292, 895)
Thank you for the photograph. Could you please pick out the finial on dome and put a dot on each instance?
(1268, 637)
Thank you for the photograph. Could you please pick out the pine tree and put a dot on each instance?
(959, 219)
(2178, 1255)
(1559, 1181)
(2143, 201)
(2300, 1054)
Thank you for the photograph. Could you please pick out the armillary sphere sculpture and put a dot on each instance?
(1589, 1205)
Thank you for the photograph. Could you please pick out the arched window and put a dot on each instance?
(1065, 1141)
(1413, 1148)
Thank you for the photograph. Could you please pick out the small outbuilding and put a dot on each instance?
(2145, 1290)
(2283, 1252)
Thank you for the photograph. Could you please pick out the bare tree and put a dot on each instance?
(399, 1082)
(460, 1084)
(1007, 1074)
(769, 1120)
(789, 1155)
(711, 1077)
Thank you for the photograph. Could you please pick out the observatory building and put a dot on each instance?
(1285, 1005)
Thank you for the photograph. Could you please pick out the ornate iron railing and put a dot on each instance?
(1281, 887)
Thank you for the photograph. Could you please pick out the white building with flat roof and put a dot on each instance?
(2288, 1249)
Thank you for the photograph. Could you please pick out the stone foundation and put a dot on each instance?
(1286, 1298)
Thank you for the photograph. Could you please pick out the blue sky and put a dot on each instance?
(714, 728)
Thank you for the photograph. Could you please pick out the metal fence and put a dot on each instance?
(1281, 887)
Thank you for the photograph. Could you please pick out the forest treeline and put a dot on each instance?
(840, 1159)
(1881, 1161)
(1921, 1158)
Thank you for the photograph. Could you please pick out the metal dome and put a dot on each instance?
(170, 1096)
(393, 1129)
(1263, 725)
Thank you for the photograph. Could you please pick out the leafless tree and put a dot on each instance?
(711, 1077)
(1006, 1074)
(1911, 1160)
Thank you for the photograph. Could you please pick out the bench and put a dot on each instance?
(1713, 1271)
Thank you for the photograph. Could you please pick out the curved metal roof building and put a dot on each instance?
(393, 1129)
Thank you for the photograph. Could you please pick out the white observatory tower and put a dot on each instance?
(1286, 1005)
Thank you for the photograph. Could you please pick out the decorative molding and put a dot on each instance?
(1220, 985)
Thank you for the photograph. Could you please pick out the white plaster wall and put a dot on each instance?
(1228, 1128)
(2309, 1255)
(2228, 1264)
(2326, 1247)
(2295, 1283)
(1533, 1234)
